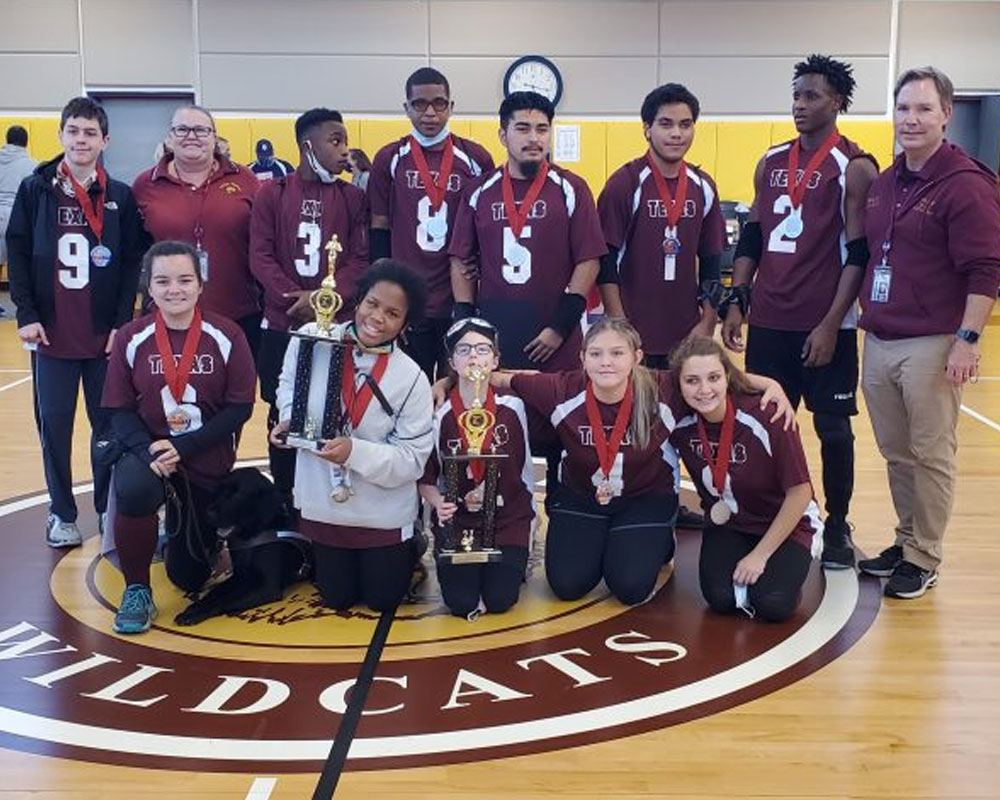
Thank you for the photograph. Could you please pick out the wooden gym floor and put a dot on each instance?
(910, 710)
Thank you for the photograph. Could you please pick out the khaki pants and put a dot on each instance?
(914, 412)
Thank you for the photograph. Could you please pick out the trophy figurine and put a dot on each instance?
(310, 432)
(475, 543)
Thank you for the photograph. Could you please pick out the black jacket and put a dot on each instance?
(31, 252)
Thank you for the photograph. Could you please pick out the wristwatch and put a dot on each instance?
(968, 335)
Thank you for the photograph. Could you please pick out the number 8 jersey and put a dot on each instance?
(797, 275)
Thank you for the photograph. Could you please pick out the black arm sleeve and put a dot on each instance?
(751, 243)
(569, 309)
(132, 433)
(608, 272)
(858, 252)
(379, 244)
(223, 424)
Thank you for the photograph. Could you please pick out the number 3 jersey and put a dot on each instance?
(293, 222)
(522, 278)
(797, 276)
(396, 191)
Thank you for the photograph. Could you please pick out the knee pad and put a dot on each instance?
(139, 492)
(833, 429)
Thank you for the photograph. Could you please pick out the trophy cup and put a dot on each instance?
(474, 543)
(305, 431)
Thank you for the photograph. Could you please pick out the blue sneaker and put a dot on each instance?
(137, 610)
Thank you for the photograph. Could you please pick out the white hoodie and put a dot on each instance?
(15, 166)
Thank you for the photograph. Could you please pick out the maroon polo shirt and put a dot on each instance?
(293, 220)
(663, 307)
(519, 292)
(765, 462)
(221, 208)
(943, 223)
(636, 471)
(396, 191)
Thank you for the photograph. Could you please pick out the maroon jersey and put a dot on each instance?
(509, 436)
(660, 291)
(222, 373)
(215, 216)
(71, 332)
(765, 462)
(797, 278)
(292, 223)
(396, 191)
(562, 230)
(562, 398)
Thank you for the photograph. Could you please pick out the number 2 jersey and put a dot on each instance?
(797, 277)
(522, 278)
(293, 222)
(396, 191)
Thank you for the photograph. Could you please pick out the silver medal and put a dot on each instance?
(437, 227)
(720, 513)
(100, 256)
(793, 225)
(516, 257)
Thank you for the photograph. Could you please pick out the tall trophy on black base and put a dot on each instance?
(475, 543)
(305, 431)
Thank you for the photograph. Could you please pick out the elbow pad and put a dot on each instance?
(608, 272)
(751, 243)
(858, 252)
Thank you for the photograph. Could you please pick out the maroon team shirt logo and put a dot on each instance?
(230, 188)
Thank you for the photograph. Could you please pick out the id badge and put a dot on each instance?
(881, 281)
(203, 265)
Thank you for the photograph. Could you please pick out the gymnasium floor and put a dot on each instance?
(856, 697)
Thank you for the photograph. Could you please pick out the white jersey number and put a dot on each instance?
(516, 257)
(74, 255)
(426, 240)
(308, 267)
(777, 242)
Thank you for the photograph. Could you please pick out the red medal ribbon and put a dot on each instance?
(435, 189)
(177, 374)
(607, 450)
(720, 465)
(673, 205)
(797, 188)
(476, 465)
(94, 212)
(356, 402)
(517, 214)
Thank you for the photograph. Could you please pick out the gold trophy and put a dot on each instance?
(305, 431)
(474, 543)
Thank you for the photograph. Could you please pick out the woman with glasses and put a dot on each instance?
(197, 195)
(470, 589)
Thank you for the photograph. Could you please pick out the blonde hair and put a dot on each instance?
(645, 392)
(694, 346)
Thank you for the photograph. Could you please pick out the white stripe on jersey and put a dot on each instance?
(460, 154)
(666, 449)
(567, 407)
(222, 341)
(756, 428)
(516, 404)
(474, 197)
(706, 191)
(569, 193)
(137, 339)
(403, 150)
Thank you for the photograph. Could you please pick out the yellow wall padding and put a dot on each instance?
(740, 146)
(43, 135)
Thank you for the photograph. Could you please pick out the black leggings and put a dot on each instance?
(376, 576)
(625, 542)
(497, 583)
(775, 595)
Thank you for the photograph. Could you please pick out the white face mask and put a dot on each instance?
(430, 141)
(324, 175)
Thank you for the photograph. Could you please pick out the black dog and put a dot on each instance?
(248, 511)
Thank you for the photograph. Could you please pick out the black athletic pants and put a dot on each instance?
(497, 583)
(625, 542)
(775, 595)
(375, 576)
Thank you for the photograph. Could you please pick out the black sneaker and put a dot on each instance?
(686, 518)
(884, 563)
(838, 550)
(909, 581)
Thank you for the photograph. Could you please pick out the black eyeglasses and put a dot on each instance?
(482, 349)
(439, 104)
(198, 131)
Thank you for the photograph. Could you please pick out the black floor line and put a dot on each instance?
(334, 765)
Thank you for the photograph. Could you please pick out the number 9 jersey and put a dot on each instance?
(801, 260)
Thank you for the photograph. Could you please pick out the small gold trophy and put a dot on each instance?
(474, 543)
(311, 431)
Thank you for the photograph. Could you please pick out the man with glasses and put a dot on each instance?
(197, 195)
(414, 192)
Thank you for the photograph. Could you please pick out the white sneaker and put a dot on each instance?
(61, 534)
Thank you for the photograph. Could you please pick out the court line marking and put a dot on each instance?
(977, 416)
(261, 788)
(22, 371)
(18, 382)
